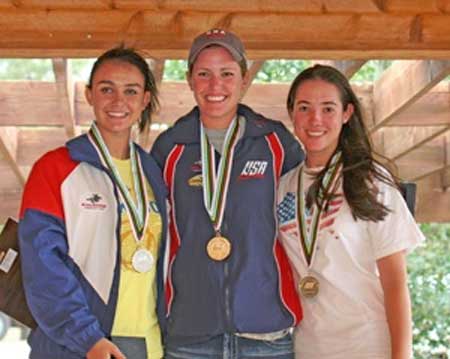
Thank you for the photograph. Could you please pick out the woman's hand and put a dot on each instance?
(104, 349)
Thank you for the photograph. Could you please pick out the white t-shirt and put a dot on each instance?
(347, 318)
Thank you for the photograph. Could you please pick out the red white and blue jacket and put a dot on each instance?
(69, 235)
(253, 290)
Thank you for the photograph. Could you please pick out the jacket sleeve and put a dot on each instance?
(293, 152)
(53, 292)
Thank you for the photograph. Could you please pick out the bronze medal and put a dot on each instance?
(218, 248)
(309, 286)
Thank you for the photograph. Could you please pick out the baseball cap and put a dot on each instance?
(218, 37)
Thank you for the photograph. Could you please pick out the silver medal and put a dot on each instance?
(142, 260)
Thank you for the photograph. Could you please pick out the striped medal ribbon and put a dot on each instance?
(215, 186)
(137, 211)
(309, 284)
(308, 238)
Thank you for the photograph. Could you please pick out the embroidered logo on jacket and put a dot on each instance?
(196, 181)
(93, 201)
(254, 169)
(196, 166)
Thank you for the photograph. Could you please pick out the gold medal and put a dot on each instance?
(218, 248)
(309, 286)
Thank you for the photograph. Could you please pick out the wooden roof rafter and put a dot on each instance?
(353, 29)
(407, 150)
(8, 148)
(157, 68)
(64, 87)
(402, 84)
(253, 69)
(445, 174)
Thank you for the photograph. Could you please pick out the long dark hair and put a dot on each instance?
(359, 167)
(131, 56)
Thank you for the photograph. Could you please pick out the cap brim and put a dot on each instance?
(235, 54)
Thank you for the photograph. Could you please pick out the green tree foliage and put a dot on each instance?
(371, 71)
(41, 69)
(175, 70)
(429, 275)
(281, 70)
(24, 69)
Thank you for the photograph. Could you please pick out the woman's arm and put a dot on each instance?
(393, 277)
(53, 291)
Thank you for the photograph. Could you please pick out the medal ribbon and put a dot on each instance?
(308, 238)
(215, 183)
(137, 212)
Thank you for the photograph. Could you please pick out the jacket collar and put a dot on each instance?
(188, 127)
(81, 149)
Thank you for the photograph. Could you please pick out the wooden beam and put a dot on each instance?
(34, 142)
(415, 6)
(9, 205)
(253, 69)
(432, 109)
(421, 143)
(65, 89)
(285, 6)
(59, 4)
(430, 173)
(421, 162)
(271, 34)
(402, 84)
(313, 6)
(347, 67)
(445, 180)
(157, 68)
(40, 108)
(445, 175)
(400, 141)
(432, 201)
(8, 148)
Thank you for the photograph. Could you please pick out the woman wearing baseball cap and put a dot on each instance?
(229, 287)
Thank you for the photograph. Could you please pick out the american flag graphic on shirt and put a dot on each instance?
(287, 213)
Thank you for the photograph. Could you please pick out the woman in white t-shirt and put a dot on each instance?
(346, 229)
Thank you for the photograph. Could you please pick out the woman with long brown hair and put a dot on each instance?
(346, 229)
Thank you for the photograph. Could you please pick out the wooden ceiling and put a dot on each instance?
(407, 109)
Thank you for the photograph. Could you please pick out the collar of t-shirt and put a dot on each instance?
(217, 136)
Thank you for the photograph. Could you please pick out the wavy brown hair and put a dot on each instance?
(359, 166)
